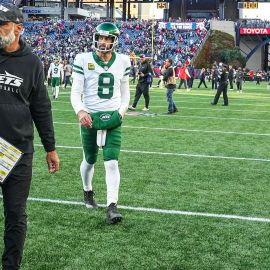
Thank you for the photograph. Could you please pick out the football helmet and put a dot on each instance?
(56, 60)
(106, 29)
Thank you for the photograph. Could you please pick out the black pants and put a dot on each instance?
(202, 81)
(222, 88)
(181, 83)
(133, 79)
(231, 83)
(67, 81)
(15, 191)
(214, 84)
(142, 88)
(190, 82)
(239, 85)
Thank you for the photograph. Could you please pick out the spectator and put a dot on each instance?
(170, 82)
(239, 79)
(202, 78)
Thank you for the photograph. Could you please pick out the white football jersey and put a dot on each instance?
(56, 70)
(102, 80)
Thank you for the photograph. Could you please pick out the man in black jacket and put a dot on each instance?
(223, 86)
(214, 75)
(23, 100)
(145, 76)
(231, 77)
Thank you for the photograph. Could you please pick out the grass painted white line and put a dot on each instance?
(183, 129)
(184, 95)
(190, 108)
(200, 131)
(203, 94)
(214, 118)
(206, 117)
(171, 154)
(192, 102)
(160, 211)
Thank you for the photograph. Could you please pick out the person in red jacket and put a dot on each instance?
(251, 74)
(184, 76)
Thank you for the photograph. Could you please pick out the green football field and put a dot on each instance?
(195, 189)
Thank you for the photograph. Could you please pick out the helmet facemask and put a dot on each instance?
(111, 45)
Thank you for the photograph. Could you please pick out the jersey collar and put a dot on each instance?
(104, 65)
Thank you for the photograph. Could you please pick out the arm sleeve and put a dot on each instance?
(125, 97)
(62, 73)
(77, 85)
(49, 71)
(187, 73)
(40, 108)
(124, 88)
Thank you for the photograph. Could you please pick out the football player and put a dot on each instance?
(56, 72)
(100, 97)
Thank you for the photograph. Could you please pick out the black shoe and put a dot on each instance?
(212, 103)
(113, 216)
(175, 110)
(89, 199)
(169, 112)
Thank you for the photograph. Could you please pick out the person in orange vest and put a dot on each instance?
(184, 76)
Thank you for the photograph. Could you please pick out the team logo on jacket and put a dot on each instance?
(105, 117)
(9, 82)
(91, 66)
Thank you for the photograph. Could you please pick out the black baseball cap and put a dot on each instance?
(10, 13)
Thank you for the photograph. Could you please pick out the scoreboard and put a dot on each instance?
(248, 5)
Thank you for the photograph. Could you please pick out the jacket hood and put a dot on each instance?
(22, 51)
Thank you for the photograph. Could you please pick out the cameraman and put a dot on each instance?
(223, 85)
(170, 83)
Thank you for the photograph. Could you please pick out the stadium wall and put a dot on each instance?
(223, 26)
(256, 61)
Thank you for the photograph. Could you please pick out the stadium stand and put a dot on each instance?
(67, 38)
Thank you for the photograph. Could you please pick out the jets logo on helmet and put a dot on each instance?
(106, 29)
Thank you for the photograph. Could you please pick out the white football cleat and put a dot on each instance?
(145, 109)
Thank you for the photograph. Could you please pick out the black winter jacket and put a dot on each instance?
(23, 100)
(145, 68)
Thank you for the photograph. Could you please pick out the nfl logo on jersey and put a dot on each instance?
(91, 66)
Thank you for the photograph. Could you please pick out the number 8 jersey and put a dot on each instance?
(101, 83)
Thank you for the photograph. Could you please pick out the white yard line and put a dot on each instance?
(183, 129)
(208, 117)
(190, 102)
(198, 95)
(191, 108)
(160, 211)
(201, 131)
(172, 154)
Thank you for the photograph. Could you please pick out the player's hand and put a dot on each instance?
(85, 119)
(53, 161)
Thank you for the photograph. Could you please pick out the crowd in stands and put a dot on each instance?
(67, 38)
(254, 23)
